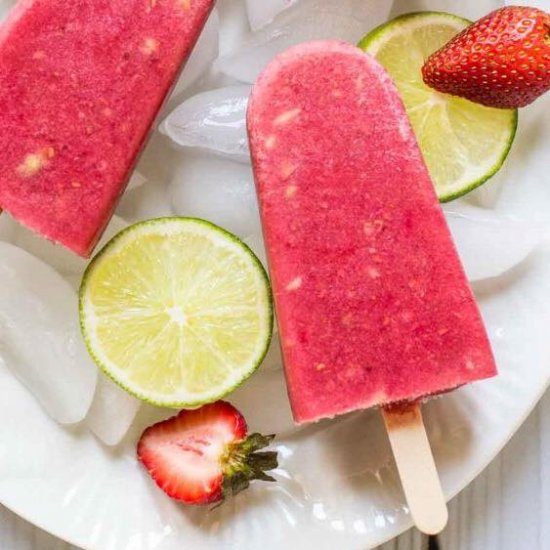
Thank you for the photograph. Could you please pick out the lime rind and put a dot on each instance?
(476, 173)
(467, 188)
(383, 32)
(119, 377)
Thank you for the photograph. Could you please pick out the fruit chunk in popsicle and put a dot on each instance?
(373, 305)
(82, 82)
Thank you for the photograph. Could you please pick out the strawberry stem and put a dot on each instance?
(242, 463)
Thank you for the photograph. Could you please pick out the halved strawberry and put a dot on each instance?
(502, 60)
(202, 455)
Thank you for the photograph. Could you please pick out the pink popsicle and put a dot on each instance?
(372, 302)
(82, 82)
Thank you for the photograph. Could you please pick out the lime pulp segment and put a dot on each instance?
(463, 143)
(177, 311)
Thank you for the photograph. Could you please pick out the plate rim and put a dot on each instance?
(407, 523)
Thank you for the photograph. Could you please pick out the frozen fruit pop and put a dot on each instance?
(372, 302)
(82, 82)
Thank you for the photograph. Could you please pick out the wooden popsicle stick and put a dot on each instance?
(416, 467)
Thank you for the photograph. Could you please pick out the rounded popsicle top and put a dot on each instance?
(332, 55)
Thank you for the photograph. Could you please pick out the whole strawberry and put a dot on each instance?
(202, 455)
(502, 60)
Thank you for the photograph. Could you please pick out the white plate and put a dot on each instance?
(337, 486)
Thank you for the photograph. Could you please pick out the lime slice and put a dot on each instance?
(177, 311)
(463, 143)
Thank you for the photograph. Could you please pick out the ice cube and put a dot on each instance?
(5, 7)
(62, 260)
(487, 195)
(148, 201)
(256, 243)
(137, 180)
(490, 243)
(204, 53)
(234, 27)
(273, 359)
(40, 339)
(371, 12)
(116, 225)
(217, 190)
(471, 9)
(525, 192)
(74, 280)
(262, 13)
(214, 120)
(540, 4)
(263, 401)
(7, 226)
(112, 411)
(347, 20)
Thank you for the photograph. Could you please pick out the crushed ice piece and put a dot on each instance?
(371, 12)
(40, 339)
(62, 260)
(6, 228)
(273, 359)
(272, 415)
(112, 411)
(137, 180)
(147, 201)
(490, 243)
(524, 191)
(5, 7)
(217, 190)
(257, 245)
(262, 13)
(214, 120)
(540, 4)
(487, 195)
(204, 53)
(348, 20)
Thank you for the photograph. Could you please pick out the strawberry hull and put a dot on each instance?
(82, 82)
(372, 302)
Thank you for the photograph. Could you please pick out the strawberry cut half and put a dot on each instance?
(200, 456)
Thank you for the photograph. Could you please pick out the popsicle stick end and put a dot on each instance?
(416, 467)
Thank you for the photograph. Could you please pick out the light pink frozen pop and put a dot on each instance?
(81, 84)
(372, 301)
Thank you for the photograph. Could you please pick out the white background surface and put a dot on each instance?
(506, 508)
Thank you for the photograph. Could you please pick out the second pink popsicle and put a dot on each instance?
(82, 82)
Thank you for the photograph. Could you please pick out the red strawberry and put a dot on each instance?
(201, 455)
(502, 61)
